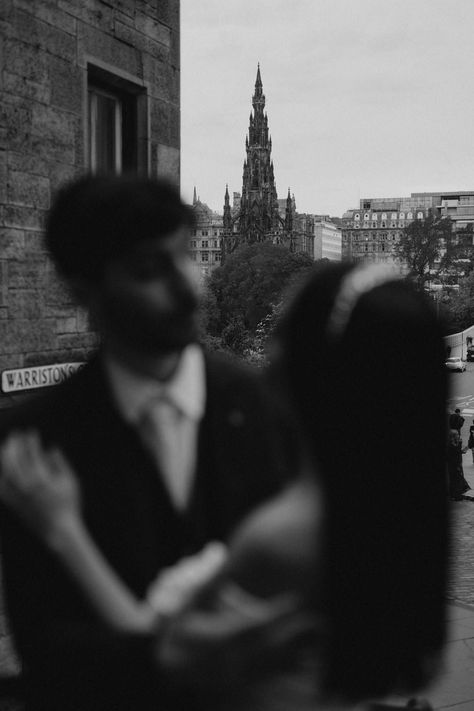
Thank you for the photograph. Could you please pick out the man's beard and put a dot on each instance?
(152, 334)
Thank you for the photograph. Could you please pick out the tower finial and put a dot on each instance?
(258, 99)
(194, 196)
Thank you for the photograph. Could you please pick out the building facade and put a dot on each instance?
(371, 231)
(85, 86)
(327, 242)
(206, 239)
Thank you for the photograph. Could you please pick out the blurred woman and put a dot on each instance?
(358, 542)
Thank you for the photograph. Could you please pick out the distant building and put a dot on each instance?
(458, 206)
(258, 217)
(327, 242)
(371, 231)
(85, 87)
(206, 238)
(257, 214)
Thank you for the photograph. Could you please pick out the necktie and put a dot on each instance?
(170, 437)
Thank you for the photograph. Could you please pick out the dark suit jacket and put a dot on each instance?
(70, 660)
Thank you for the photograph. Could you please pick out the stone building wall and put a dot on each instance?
(51, 53)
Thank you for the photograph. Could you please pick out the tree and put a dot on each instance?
(461, 260)
(243, 290)
(425, 247)
(458, 306)
(257, 351)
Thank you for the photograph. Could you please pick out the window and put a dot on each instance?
(366, 205)
(214, 243)
(384, 215)
(193, 244)
(105, 132)
(419, 215)
(217, 256)
(204, 256)
(357, 216)
(204, 233)
(116, 120)
(205, 243)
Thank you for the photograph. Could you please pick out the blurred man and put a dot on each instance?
(171, 447)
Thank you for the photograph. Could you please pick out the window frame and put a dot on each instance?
(132, 94)
(93, 93)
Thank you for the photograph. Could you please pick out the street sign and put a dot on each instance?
(40, 376)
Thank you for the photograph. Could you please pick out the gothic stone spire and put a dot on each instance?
(259, 220)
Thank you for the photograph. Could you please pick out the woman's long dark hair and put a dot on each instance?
(370, 390)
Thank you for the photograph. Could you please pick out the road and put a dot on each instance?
(461, 586)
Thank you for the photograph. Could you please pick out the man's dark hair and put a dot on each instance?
(96, 219)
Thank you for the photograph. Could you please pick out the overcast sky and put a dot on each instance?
(365, 98)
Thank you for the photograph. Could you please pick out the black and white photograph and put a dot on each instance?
(236, 355)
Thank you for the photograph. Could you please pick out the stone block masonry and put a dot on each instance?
(49, 50)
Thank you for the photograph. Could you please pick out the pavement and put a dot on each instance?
(454, 687)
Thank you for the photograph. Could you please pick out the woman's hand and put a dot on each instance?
(175, 587)
(218, 650)
(38, 484)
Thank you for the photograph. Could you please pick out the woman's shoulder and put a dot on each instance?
(277, 547)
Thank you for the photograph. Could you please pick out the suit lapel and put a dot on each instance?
(227, 437)
(126, 505)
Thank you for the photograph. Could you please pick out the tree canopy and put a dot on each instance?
(425, 246)
(457, 307)
(244, 290)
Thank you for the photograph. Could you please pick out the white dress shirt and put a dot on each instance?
(167, 415)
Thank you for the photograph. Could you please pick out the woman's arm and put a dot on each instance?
(109, 596)
(261, 608)
(39, 485)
